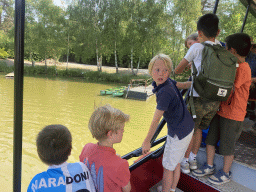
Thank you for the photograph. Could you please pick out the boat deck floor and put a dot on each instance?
(154, 188)
(245, 153)
(245, 149)
(231, 186)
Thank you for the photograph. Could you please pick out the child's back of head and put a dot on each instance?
(105, 119)
(241, 42)
(54, 144)
(209, 25)
(191, 39)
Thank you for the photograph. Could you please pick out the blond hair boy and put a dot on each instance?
(109, 171)
(171, 107)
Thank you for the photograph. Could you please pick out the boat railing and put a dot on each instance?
(155, 154)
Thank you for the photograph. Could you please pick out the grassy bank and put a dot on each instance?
(88, 75)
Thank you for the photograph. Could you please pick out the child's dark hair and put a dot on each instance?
(241, 42)
(54, 144)
(208, 24)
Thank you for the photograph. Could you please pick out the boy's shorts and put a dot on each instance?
(175, 150)
(227, 131)
(252, 94)
(205, 111)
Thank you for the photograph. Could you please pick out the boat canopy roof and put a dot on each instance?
(252, 8)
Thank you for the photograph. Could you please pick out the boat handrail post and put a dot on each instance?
(18, 92)
(215, 7)
(246, 14)
(128, 89)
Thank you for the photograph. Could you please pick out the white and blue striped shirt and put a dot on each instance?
(66, 177)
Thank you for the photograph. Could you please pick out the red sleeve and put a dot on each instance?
(85, 152)
(123, 174)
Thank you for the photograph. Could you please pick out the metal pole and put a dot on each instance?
(18, 92)
(215, 6)
(246, 14)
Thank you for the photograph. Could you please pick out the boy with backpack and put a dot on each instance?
(203, 103)
(226, 126)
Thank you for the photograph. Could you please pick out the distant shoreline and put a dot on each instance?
(51, 62)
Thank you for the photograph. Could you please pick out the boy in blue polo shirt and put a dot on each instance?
(180, 124)
(54, 144)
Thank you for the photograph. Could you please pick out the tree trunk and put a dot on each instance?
(67, 52)
(45, 62)
(97, 56)
(116, 59)
(100, 63)
(132, 61)
(138, 67)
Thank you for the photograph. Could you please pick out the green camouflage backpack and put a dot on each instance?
(218, 70)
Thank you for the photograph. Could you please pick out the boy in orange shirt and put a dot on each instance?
(226, 126)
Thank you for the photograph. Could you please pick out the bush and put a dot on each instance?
(36, 70)
(5, 68)
(3, 54)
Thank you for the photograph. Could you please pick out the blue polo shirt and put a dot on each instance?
(251, 60)
(176, 114)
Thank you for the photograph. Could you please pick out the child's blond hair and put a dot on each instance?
(104, 119)
(193, 36)
(167, 60)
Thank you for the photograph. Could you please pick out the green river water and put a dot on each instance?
(67, 102)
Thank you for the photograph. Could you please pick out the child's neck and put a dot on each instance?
(105, 143)
(240, 59)
(204, 38)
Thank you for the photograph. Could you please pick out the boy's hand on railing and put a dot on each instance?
(145, 147)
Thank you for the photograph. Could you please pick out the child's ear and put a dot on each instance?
(110, 133)
(218, 32)
(232, 50)
(199, 34)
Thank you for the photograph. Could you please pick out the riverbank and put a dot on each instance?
(88, 73)
(85, 71)
(70, 65)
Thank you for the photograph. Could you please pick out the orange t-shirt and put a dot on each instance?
(235, 107)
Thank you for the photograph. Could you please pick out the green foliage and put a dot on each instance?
(5, 68)
(36, 70)
(3, 54)
(71, 73)
(123, 33)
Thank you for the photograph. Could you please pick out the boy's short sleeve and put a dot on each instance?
(123, 174)
(243, 74)
(163, 100)
(191, 54)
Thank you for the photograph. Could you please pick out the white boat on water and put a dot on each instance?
(10, 75)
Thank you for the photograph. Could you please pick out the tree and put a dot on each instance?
(6, 15)
(49, 30)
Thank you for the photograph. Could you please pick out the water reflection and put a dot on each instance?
(52, 101)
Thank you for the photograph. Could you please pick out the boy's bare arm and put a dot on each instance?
(182, 65)
(146, 144)
(184, 85)
(127, 188)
